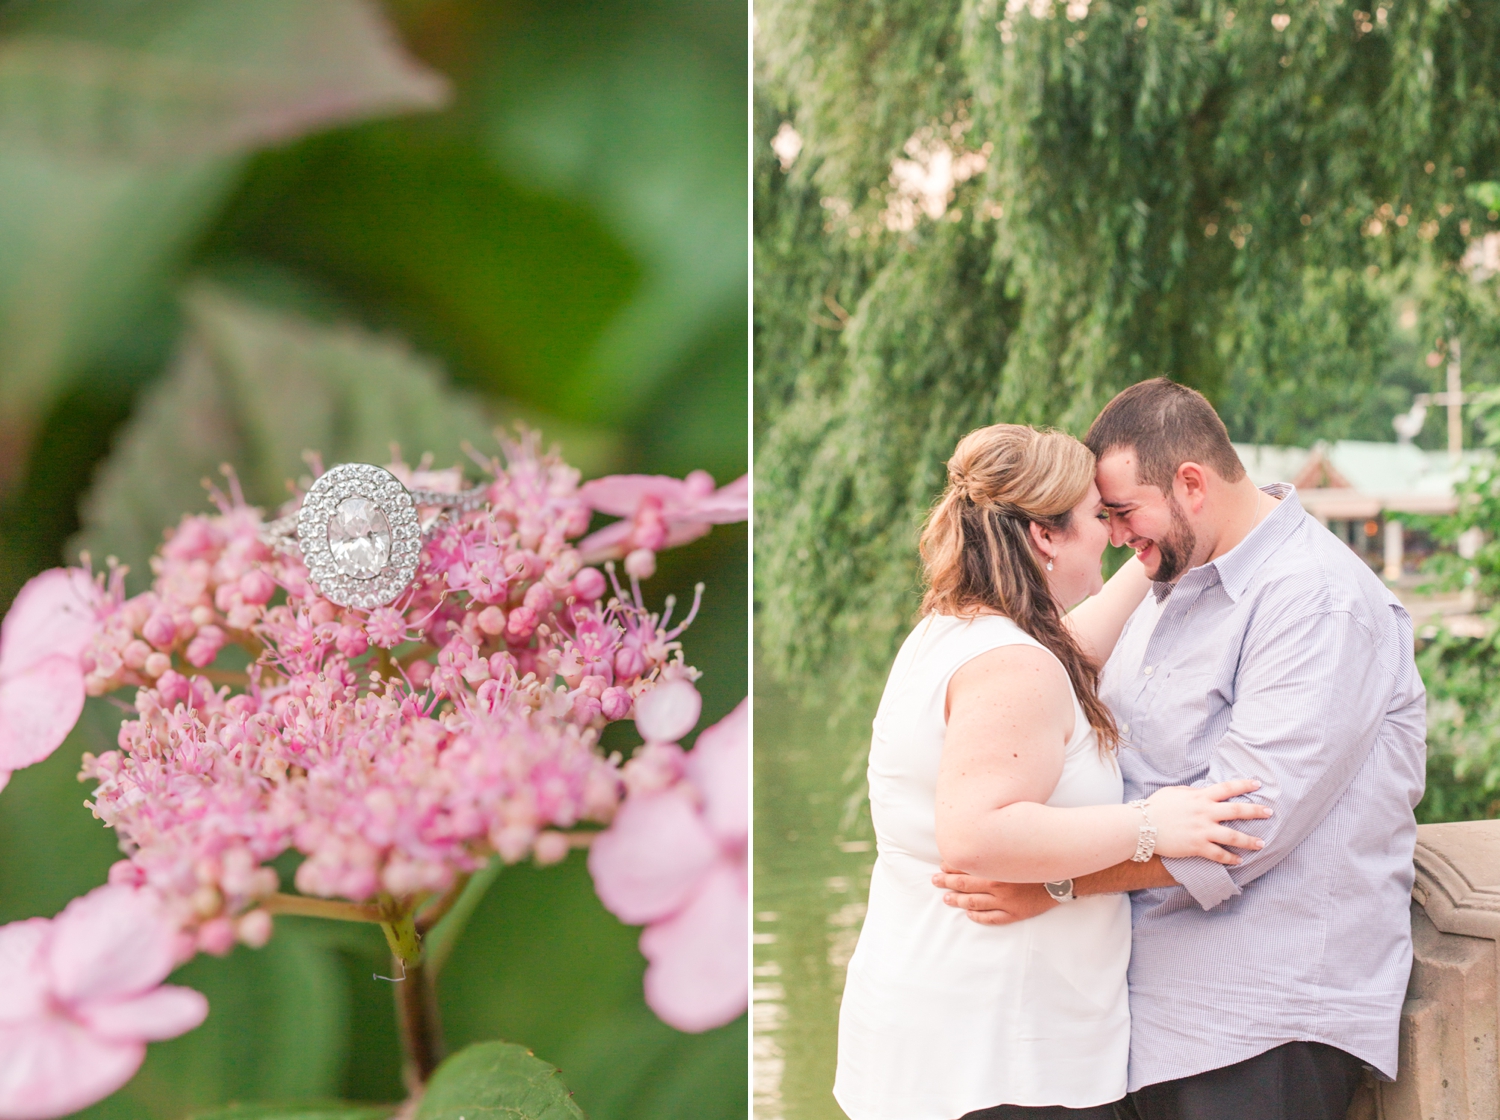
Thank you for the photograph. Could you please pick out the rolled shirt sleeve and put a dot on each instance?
(1311, 696)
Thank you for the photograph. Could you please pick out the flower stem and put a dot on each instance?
(416, 1001)
(320, 908)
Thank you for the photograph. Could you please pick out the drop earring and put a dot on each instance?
(1049, 563)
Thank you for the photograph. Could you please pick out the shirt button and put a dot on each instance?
(1148, 670)
(1124, 729)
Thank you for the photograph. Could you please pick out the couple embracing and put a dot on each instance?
(1145, 848)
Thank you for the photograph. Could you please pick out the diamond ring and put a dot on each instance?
(358, 532)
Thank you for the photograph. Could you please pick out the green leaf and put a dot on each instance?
(1486, 194)
(255, 389)
(302, 1110)
(121, 128)
(647, 129)
(171, 80)
(497, 1081)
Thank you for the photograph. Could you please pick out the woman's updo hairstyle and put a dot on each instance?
(977, 550)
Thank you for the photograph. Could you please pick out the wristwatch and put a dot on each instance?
(1061, 891)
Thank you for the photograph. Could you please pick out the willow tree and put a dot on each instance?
(979, 210)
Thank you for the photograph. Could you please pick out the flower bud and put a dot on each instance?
(205, 646)
(160, 630)
(491, 620)
(351, 641)
(539, 597)
(256, 586)
(629, 663)
(521, 624)
(641, 564)
(589, 584)
(551, 847)
(614, 703)
(254, 929)
(156, 665)
(216, 937)
(136, 653)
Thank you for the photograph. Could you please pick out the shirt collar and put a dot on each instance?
(1236, 566)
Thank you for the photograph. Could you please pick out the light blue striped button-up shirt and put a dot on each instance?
(1287, 660)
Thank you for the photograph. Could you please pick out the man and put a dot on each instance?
(1268, 650)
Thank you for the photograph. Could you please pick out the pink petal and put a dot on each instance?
(650, 859)
(719, 765)
(699, 975)
(112, 942)
(23, 977)
(728, 503)
(38, 707)
(4, 778)
(621, 494)
(607, 543)
(53, 1066)
(164, 1012)
(668, 712)
(55, 613)
(680, 532)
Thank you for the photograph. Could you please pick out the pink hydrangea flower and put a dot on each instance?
(41, 677)
(658, 512)
(675, 859)
(81, 995)
(396, 749)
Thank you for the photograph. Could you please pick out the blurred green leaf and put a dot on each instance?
(174, 79)
(309, 1110)
(256, 389)
(497, 1081)
(1486, 194)
(511, 288)
(651, 132)
(119, 128)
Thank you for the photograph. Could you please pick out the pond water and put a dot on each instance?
(813, 853)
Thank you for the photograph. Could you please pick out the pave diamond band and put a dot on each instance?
(359, 534)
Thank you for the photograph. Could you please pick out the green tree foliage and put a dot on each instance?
(1463, 671)
(1265, 201)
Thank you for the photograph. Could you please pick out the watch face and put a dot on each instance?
(1061, 891)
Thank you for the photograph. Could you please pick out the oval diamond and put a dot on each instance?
(359, 537)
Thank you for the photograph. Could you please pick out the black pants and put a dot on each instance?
(1295, 1081)
(1045, 1112)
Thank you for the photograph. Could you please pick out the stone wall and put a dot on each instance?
(1450, 1023)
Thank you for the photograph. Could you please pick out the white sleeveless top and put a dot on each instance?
(941, 1015)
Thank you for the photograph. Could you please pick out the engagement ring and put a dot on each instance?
(359, 534)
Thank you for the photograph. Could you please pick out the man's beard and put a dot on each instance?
(1176, 549)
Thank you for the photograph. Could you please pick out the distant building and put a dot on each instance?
(1360, 489)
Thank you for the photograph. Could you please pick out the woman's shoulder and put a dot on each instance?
(983, 630)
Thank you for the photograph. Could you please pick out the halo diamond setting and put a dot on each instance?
(360, 535)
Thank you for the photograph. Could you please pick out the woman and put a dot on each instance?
(993, 753)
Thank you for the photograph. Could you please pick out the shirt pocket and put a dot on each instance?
(1181, 709)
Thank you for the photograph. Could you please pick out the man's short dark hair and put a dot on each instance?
(1166, 425)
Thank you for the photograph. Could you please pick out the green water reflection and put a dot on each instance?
(813, 852)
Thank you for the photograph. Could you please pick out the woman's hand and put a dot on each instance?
(1187, 820)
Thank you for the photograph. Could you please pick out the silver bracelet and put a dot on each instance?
(1146, 844)
(358, 532)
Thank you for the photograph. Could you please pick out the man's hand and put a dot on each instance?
(990, 903)
(999, 904)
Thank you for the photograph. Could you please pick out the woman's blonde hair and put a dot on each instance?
(977, 550)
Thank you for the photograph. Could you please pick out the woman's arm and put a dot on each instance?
(1097, 621)
(1010, 715)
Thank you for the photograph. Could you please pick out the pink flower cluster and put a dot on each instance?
(395, 748)
(675, 858)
